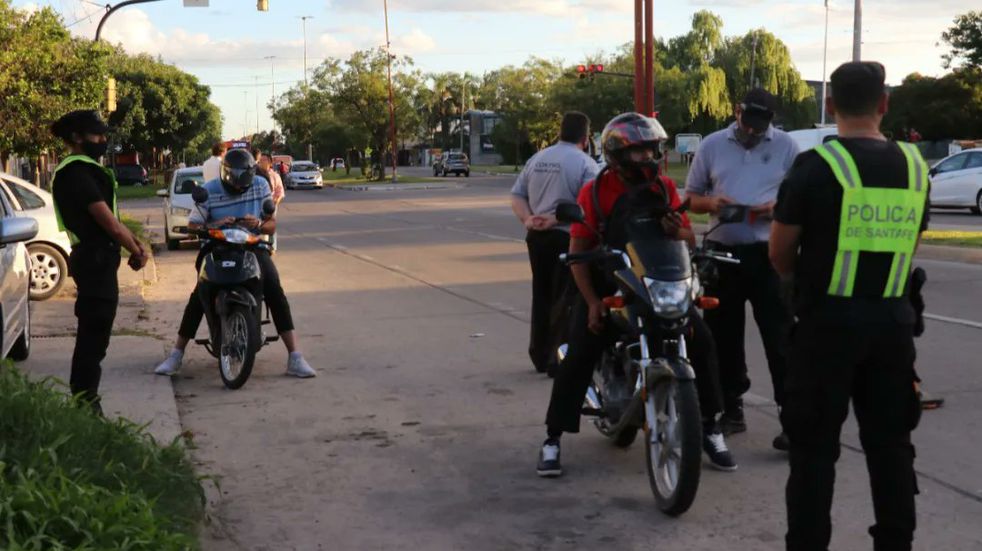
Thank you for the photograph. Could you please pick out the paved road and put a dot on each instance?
(422, 429)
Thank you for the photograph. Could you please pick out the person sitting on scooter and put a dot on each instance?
(632, 147)
(239, 195)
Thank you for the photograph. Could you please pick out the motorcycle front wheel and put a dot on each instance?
(673, 434)
(240, 342)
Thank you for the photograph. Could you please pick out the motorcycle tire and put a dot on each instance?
(675, 486)
(243, 327)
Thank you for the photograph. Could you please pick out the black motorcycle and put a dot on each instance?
(644, 381)
(230, 289)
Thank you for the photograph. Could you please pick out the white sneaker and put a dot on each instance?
(298, 367)
(171, 365)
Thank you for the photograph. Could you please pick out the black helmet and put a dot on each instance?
(238, 171)
(632, 131)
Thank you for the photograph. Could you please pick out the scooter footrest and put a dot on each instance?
(272, 338)
(594, 412)
(202, 341)
(265, 322)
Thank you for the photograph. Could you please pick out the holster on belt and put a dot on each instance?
(917, 280)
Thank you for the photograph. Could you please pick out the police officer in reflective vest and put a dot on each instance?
(85, 206)
(847, 223)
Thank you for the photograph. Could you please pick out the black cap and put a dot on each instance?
(758, 109)
(84, 121)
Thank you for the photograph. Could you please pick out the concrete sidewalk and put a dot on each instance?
(129, 388)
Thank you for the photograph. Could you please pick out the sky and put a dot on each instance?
(227, 44)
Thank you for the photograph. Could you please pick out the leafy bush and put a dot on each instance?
(71, 480)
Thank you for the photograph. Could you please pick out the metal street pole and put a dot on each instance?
(245, 104)
(639, 56)
(857, 31)
(272, 83)
(304, 18)
(112, 10)
(463, 102)
(392, 111)
(825, 55)
(256, 78)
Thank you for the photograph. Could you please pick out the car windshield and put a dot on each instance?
(303, 167)
(185, 182)
(457, 157)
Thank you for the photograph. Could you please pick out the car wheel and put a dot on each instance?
(22, 346)
(49, 268)
(977, 209)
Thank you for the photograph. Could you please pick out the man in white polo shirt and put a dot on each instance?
(212, 168)
(744, 164)
(552, 176)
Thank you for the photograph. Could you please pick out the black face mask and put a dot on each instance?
(95, 149)
(747, 139)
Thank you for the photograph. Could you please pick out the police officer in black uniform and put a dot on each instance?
(848, 219)
(85, 206)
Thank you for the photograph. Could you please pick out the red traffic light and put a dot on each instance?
(599, 67)
(581, 68)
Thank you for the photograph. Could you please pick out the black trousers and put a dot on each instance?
(754, 279)
(585, 350)
(873, 365)
(272, 293)
(551, 282)
(94, 269)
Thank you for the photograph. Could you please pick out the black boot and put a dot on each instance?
(732, 420)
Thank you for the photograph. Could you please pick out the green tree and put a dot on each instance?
(773, 70)
(698, 47)
(44, 73)
(939, 108)
(160, 107)
(965, 40)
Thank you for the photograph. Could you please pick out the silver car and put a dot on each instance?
(178, 204)
(304, 175)
(15, 282)
(50, 249)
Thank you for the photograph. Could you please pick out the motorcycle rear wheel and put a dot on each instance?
(673, 445)
(239, 344)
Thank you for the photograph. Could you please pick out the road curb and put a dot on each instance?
(398, 187)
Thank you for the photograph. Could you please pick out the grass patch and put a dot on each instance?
(678, 172)
(124, 193)
(953, 238)
(72, 480)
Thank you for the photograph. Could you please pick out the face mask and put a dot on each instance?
(95, 149)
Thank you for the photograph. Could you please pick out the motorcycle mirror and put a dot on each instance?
(569, 212)
(199, 194)
(268, 208)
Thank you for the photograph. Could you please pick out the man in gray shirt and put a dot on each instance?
(744, 164)
(552, 176)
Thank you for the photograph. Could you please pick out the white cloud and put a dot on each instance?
(416, 41)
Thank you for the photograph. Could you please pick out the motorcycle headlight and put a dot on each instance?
(179, 211)
(670, 299)
(236, 236)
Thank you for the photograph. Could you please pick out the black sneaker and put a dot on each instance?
(719, 455)
(732, 420)
(781, 442)
(549, 466)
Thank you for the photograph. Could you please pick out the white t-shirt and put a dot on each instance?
(554, 175)
(212, 169)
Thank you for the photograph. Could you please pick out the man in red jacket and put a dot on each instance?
(632, 146)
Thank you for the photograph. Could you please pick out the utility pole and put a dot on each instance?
(245, 104)
(304, 18)
(256, 78)
(392, 111)
(272, 83)
(463, 103)
(644, 76)
(857, 31)
(825, 55)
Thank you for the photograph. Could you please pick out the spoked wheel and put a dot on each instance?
(240, 341)
(673, 433)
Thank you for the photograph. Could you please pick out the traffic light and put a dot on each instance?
(110, 95)
(262, 5)
(581, 71)
(584, 71)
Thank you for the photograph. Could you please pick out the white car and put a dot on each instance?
(15, 282)
(50, 249)
(178, 204)
(304, 175)
(956, 181)
(813, 137)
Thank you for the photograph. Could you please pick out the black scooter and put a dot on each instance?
(644, 380)
(230, 289)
